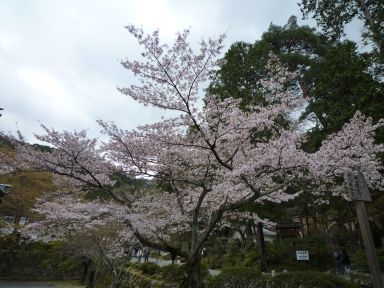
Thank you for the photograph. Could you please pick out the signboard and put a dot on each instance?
(302, 255)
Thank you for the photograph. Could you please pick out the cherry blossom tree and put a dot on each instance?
(215, 159)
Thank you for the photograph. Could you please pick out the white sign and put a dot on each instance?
(302, 255)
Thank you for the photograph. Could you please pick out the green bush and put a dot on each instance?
(213, 261)
(230, 260)
(243, 277)
(173, 272)
(149, 268)
(251, 258)
(359, 260)
(37, 260)
(133, 278)
(282, 255)
(309, 279)
(235, 277)
(177, 273)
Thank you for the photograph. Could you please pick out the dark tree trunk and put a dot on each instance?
(315, 223)
(87, 264)
(193, 270)
(92, 275)
(307, 223)
(262, 251)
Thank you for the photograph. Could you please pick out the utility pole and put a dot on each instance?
(358, 190)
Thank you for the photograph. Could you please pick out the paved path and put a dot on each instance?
(39, 284)
(25, 285)
(162, 263)
(159, 262)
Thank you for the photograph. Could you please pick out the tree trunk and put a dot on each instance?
(90, 279)
(315, 223)
(87, 264)
(377, 38)
(193, 269)
(16, 223)
(262, 251)
(307, 223)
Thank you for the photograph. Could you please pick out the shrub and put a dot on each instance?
(251, 258)
(309, 279)
(236, 277)
(37, 260)
(230, 260)
(243, 277)
(359, 260)
(213, 261)
(149, 268)
(173, 272)
(282, 255)
(177, 273)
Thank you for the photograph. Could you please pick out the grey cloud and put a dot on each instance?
(73, 48)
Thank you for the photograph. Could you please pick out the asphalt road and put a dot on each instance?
(166, 262)
(25, 285)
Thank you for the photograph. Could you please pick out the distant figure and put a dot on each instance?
(139, 255)
(146, 254)
(344, 259)
(173, 258)
(342, 262)
(135, 251)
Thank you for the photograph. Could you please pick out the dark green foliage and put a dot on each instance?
(332, 16)
(173, 272)
(282, 255)
(359, 260)
(149, 268)
(213, 261)
(42, 148)
(342, 86)
(5, 142)
(239, 77)
(337, 78)
(245, 63)
(309, 279)
(241, 277)
(236, 277)
(251, 258)
(37, 260)
(123, 185)
(235, 258)
(134, 277)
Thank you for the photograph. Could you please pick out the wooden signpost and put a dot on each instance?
(359, 193)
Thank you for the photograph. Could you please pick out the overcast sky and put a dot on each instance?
(59, 60)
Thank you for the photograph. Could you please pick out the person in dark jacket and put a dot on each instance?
(342, 262)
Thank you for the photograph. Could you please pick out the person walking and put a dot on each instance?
(139, 255)
(344, 261)
(339, 265)
(173, 258)
(146, 254)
